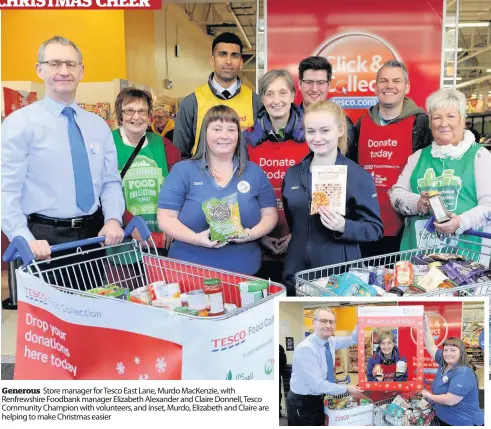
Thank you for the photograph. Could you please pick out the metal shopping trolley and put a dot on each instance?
(235, 338)
(383, 417)
(312, 282)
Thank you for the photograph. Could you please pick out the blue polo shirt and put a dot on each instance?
(461, 382)
(189, 185)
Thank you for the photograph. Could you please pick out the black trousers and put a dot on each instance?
(77, 271)
(305, 410)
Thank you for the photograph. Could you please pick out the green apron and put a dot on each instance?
(455, 180)
(141, 183)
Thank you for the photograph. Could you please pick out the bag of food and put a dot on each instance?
(223, 217)
(329, 188)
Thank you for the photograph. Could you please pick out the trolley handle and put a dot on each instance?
(345, 380)
(431, 228)
(19, 247)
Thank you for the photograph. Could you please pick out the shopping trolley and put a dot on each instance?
(312, 282)
(382, 418)
(136, 264)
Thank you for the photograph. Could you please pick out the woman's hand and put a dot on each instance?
(332, 220)
(203, 240)
(270, 243)
(423, 203)
(427, 394)
(448, 227)
(282, 244)
(244, 238)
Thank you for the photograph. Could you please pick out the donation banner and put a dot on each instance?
(72, 336)
(357, 37)
(445, 321)
(387, 318)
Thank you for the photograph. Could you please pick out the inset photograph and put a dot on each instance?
(391, 363)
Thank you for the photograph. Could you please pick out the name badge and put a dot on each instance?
(243, 187)
(94, 148)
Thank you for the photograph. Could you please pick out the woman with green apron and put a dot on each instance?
(143, 166)
(455, 166)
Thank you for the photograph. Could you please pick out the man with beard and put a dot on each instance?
(223, 87)
(393, 130)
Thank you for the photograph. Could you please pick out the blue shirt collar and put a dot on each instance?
(318, 340)
(205, 164)
(56, 107)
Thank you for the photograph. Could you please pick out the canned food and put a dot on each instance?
(184, 299)
(197, 300)
(252, 291)
(213, 289)
(403, 275)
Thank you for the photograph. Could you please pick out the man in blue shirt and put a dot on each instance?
(60, 180)
(313, 374)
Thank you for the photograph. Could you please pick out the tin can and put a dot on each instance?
(214, 290)
(403, 273)
(252, 291)
(197, 300)
(184, 299)
(173, 290)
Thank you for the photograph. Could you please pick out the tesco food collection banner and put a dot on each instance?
(357, 37)
(71, 336)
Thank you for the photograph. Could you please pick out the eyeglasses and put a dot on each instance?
(131, 112)
(56, 64)
(311, 83)
(326, 321)
(158, 117)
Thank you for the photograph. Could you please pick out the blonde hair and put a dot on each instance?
(338, 112)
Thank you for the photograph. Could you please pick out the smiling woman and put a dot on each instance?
(218, 171)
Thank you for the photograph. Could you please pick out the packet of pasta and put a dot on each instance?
(223, 217)
(329, 188)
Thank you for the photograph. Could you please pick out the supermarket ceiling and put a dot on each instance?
(474, 33)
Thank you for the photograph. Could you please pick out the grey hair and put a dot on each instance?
(268, 78)
(445, 98)
(393, 64)
(318, 310)
(61, 41)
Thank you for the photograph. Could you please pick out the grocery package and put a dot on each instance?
(403, 411)
(223, 217)
(404, 274)
(167, 303)
(111, 291)
(252, 291)
(348, 284)
(213, 288)
(329, 188)
(141, 294)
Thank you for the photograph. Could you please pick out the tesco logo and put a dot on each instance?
(35, 295)
(226, 343)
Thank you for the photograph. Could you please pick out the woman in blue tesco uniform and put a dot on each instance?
(275, 143)
(327, 238)
(392, 366)
(454, 389)
(219, 169)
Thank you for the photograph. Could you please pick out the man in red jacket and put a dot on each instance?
(393, 130)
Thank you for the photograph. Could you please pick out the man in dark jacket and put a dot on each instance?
(393, 130)
(315, 74)
(283, 363)
(223, 87)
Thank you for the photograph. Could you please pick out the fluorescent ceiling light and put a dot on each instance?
(468, 24)
(488, 70)
(452, 50)
(451, 78)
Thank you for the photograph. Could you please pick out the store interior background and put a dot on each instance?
(296, 321)
(138, 48)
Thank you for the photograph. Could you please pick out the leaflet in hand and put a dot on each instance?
(329, 188)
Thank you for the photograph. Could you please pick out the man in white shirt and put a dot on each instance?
(313, 374)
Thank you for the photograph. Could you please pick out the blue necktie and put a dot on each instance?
(84, 189)
(330, 365)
